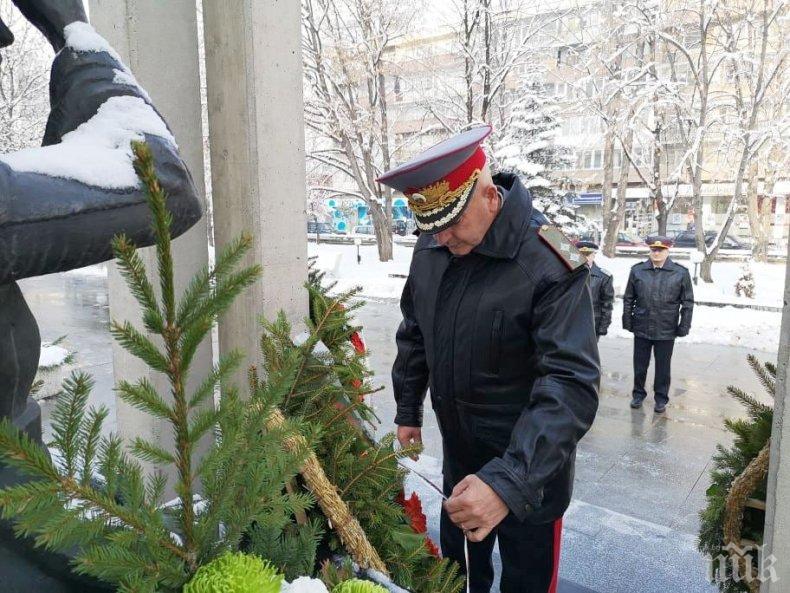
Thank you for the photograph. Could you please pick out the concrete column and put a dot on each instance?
(158, 41)
(255, 109)
(777, 518)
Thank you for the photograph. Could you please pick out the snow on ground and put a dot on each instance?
(769, 279)
(52, 356)
(728, 326)
(340, 264)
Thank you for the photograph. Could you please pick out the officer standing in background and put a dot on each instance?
(497, 319)
(657, 308)
(601, 288)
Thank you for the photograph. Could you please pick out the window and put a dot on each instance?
(397, 89)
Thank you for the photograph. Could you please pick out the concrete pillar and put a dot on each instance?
(777, 519)
(255, 109)
(158, 41)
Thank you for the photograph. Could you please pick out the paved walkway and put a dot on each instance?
(640, 479)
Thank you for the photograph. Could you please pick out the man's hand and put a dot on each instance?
(409, 436)
(51, 17)
(475, 508)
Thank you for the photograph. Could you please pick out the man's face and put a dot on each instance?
(590, 258)
(658, 255)
(471, 228)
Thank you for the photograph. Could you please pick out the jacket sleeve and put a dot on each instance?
(607, 303)
(686, 305)
(53, 219)
(563, 401)
(629, 299)
(410, 371)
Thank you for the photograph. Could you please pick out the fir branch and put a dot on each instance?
(92, 440)
(144, 397)
(199, 289)
(132, 269)
(220, 373)
(138, 345)
(767, 379)
(162, 221)
(67, 418)
(148, 451)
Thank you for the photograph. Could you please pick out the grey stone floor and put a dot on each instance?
(640, 479)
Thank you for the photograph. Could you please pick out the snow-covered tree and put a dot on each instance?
(529, 148)
(24, 78)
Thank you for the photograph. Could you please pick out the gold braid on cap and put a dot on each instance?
(438, 195)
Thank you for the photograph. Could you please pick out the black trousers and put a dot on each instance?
(530, 555)
(662, 351)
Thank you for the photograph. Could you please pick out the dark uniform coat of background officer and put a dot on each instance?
(657, 307)
(601, 289)
(505, 338)
(602, 292)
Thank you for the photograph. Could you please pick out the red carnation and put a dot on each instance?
(358, 343)
(419, 523)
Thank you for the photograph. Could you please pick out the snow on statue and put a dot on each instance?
(60, 206)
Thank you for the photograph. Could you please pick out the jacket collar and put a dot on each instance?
(668, 265)
(503, 239)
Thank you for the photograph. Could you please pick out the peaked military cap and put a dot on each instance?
(659, 242)
(586, 247)
(439, 181)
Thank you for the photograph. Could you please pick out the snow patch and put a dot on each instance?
(304, 585)
(98, 152)
(82, 37)
(125, 77)
(52, 356)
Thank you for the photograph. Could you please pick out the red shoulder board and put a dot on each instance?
(562, 247)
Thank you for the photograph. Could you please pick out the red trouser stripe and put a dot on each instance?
(555, 576)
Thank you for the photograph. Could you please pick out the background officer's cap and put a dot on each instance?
(439, 181)
(586, 247)
(659, 242)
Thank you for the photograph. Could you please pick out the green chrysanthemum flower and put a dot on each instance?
(358, 586)
(235, 573)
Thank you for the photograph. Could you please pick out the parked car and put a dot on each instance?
(319, 228)
(626, 240)
(364, 229)
(688, 239)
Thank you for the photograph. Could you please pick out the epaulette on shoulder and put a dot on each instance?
(605, 271)
(561, 246)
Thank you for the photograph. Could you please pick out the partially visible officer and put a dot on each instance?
(601, 288)
(497, 320)
(657, 308)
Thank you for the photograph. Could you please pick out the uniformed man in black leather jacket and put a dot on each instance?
(657, 308)
(497, 320)
(601, 288)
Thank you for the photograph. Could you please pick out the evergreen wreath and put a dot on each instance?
(734, 517)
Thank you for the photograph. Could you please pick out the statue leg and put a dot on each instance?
(20, 348)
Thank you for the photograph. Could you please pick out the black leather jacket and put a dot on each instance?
(602, 292)
(525, 370)
(658, 302)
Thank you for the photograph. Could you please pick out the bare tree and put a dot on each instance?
(755, 46)
(24, 78)
(344, 45)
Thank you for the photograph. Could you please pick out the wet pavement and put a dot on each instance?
(640, 477)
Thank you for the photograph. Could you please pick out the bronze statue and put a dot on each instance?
(60, 206)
